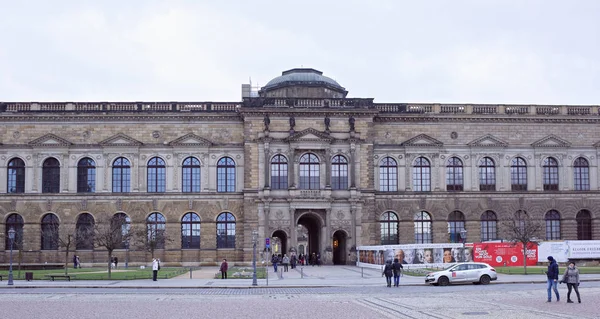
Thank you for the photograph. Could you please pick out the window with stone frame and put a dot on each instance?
(581, 174)
(155, 230)
(121, 175)
(388, 175)
(584, 225)
(156, 175)
(423, 233)
(84, 232)
(487, 174)
(225, 230)
(190, 173)
(456, 223)
(279, 172)
(226, 175)
(421, 175)
(16, 176)
(454, 174)
(14, 221)
(123, 222)
(552, 225)
(86, 175)
(50, 228)
(489, 226)
(309, 172)
(339, 173)
(190, 231)
(550, 171)
(388, 224)
(51, 176)
(518, 174)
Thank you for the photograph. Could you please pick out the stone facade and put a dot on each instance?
(252, 132)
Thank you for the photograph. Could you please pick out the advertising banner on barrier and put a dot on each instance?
(564, 251)
(417, 255)
(503, 254)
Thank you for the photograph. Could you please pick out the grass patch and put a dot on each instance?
(539, 270)
(243, 273)
(102, 273)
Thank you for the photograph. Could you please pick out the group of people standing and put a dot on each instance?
(570, 277)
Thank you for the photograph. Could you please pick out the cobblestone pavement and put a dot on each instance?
(466, 301)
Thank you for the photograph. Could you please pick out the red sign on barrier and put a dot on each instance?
(504, 254)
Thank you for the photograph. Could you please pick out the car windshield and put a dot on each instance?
(448, 268)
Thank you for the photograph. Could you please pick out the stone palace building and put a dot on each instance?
(299, 162)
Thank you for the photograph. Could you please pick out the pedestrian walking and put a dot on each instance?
(155, 268)
(116, 261)
(293, 261)
(286, 262)
(274, 261)
(571, 278)
(397, 269)
(75, 261)
(388, 272)
(223, 269)
(552, 274)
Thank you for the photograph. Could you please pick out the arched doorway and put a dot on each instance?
(339, 247)
(280, 242)
(312, 225)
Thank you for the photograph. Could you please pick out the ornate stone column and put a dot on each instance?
(292, 167)
(266, 166)
(327, 159)
(352, 166)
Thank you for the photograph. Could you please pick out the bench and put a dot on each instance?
(67, 277)
(1, 277)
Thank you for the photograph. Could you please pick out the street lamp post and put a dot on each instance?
(463, 236)
(126, 253)
(11, 237)
(254, 239)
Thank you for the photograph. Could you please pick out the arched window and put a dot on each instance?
(226, 175)
(279, 172)
(388, 175)
(456, 223)
(389, 228)
(16, 176)
(521, 219)
(518, 174)
(155, 230)
(584, 225)
(422, 175)
(489, 223)
(86, 175)
(190, 171)
(552, 225)
(84, 232)
(120, 224)
(423, 228)
(454, 174)
(51, 176)
(156, 175)
(309, 172)
(190, 231)
(487, 174)
(226, 230)
(550, 174)
(121, 175)
(581, 172)
(339, 172)
(50, 232)
(14, 221)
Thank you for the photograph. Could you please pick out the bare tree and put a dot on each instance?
(67, 237)
(151, 238)
(110, 233)
(522, 229)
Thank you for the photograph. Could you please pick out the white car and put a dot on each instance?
(477, 273)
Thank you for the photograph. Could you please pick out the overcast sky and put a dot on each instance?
(505, 51)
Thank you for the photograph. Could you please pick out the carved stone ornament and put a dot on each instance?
(73, 157)
(400, 157)
(16, 134)
(86, 135)
(156, 134)
(453, 135)
(3, 157)
(443, 156)
(340, 215)
(238, 156)
(388, 135)
(279, 214)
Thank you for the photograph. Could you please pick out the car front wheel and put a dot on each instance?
(485, 279)
(443, 281)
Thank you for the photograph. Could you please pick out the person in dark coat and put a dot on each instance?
(75, 261)
(397, 269)
(552, 275)
(223, 269)
(116, 261)
(388, 272)
(571, 278)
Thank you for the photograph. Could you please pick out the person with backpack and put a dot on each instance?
(388, 272)
(397, 270)
(274, 261)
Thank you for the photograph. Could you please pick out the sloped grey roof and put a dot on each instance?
(304, 76)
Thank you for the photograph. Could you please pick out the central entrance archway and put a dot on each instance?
(280, 244)
(311, 224)
(339, 247)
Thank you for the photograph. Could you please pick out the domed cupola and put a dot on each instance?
(303, 83)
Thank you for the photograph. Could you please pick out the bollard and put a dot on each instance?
(301, 272)
(281, 277)
(190, 272)
(362, 272)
